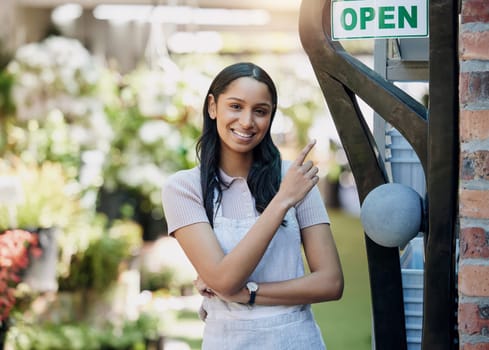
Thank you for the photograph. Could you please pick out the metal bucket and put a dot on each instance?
(412, 270)
(405, 166)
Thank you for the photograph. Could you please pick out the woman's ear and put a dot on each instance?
(211, 106)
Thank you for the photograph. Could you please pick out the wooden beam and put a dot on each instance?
(439, 323)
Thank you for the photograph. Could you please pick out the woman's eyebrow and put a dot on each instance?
(268, 104)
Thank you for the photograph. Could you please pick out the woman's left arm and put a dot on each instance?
(323, 283)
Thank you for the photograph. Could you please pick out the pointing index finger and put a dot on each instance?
(305, 151)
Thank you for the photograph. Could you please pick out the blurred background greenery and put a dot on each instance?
(346, 324)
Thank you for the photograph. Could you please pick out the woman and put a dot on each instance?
(241, 217)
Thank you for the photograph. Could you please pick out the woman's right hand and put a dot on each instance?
(202, 288)
(300, 178)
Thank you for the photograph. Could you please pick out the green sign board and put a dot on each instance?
(379, 19)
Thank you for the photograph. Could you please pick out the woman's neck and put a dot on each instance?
(236, 166)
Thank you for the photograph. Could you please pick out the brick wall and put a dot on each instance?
(473, 310)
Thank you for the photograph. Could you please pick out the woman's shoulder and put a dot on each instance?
(182, 199)
(186, 173)
(187, 178)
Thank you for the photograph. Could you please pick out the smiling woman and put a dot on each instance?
(242, 218)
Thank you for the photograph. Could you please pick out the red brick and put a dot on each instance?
(473, 45)
(474, 203)
(474, 243)
(475, 11)
(473, 280)
(478, 346)
(463, 87)
(475, 165)
(467, 171)
(473, 318)
(474, 87)
(474, 125)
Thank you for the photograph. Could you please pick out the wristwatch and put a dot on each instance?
(252, 288)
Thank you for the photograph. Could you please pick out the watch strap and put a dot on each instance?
(252, 298)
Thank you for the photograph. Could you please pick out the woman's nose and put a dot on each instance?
(246, 119)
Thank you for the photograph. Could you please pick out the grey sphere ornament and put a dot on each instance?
(392, 214)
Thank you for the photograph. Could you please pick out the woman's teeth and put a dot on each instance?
(242, 134)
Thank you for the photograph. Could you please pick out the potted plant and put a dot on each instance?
(16, 249)
(37, 199)
(92, 285)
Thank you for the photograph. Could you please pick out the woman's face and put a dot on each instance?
(243, 113)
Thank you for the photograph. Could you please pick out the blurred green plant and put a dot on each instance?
(34, 196)
(154, 118)
(7, 106)
(125, 335)
(156, 280)
(58, 116)
(5, 55)
(96, 266)
(165, 267)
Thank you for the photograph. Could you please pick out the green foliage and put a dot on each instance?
(33, 141)
(97, 266)
(58, 116)
(155, 280)
(5, 55)
(45, 198)
(165, 266)
(101, 261)
(129, 232)
(6, 103)
(130, 335)
(346, 323)
(7, 106)
(155, 125)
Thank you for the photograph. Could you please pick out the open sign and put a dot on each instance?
(379, 19)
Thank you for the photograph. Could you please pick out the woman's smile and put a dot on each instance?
(243, 134)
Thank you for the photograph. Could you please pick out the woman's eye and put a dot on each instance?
(235, 106)
(261, 112)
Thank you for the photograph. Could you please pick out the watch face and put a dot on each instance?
(252, 286)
